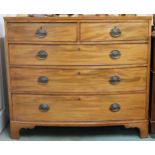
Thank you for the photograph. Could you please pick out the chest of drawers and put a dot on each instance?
(78, 71)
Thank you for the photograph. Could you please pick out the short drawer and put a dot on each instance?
(41, 32)
(78, 54)
(78, 80)
(114, 31)
(78, 108)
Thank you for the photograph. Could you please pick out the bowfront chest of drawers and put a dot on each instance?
(78, 71)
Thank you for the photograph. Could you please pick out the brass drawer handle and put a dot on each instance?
(115, 107)
(115, 80)
(115, 32)
(44, 107)
(41, 33)
(43, 80)
(42, 55)
(115, 54)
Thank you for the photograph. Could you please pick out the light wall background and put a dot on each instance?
(3, 102)
(4, 115)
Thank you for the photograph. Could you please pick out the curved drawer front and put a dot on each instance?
(78, 54)
(114, 31)
(78, 80)
(78, 108)
(41, 32)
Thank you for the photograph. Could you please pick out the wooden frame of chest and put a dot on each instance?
(78, 71)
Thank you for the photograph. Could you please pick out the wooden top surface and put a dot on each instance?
(48, 19)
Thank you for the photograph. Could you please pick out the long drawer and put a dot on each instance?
(42, 32)
(78, 108)
(78, 54)
(114, 31)
(78, 80)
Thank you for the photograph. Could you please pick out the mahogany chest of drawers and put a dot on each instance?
(78, 71)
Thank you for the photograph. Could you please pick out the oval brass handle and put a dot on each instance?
(115, 54)
(115, 32)
(44, 107)
(115, 107)
(41, 33)
(42, 55)
(115, 80)
(43, 80)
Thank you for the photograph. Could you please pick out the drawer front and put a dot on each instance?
(78, 54)
(42, 32)
(78, 80)
(114, 31)
(78, 108)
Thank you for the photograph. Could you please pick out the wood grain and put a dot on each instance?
(78, 80)
(80, 18)
(78, 54)
(78, 108)
(101, 31)
(8, 78)
(55, 31)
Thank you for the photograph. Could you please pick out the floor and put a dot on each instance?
(77, 134)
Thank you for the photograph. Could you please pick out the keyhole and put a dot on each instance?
(79, 99)
(79, 73)
(78, 49)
